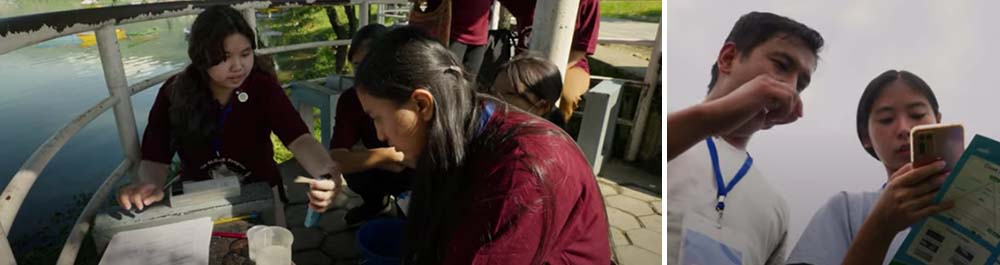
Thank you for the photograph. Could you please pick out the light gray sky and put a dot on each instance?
(950, 44)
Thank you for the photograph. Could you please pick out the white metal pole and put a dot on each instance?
(552, 31)
(380, 13)
(495, 16)
(364, 12)
(114, 76)
(651, 81)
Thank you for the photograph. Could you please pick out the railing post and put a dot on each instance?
(380, 13)
(651, 81)
(114, 76)
(552, 31)
(364, 13)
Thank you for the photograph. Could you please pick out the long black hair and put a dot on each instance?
(193, 109)
(405, 59)
(874, 89)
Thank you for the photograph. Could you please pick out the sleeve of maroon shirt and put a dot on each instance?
(345, 129)
(156, 138)
(588, 21)
(504, 222)
(282, 117)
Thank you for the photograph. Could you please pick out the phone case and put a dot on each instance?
(931, 142)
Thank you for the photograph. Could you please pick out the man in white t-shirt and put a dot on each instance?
(720, 209)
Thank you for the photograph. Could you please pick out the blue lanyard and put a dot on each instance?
(721, 189)
(485, 117)
(216, 142)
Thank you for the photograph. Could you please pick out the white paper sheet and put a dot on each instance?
(184, 242)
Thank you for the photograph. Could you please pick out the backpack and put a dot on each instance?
(499, 50)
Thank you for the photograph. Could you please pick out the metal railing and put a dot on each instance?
(23, 31)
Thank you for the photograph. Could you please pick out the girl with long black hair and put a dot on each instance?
(493, 184)
(218, 114)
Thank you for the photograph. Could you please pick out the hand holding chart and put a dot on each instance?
(969, 233)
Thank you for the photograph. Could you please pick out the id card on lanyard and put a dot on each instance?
(705, 243)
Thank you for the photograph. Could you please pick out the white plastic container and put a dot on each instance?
(270, 245)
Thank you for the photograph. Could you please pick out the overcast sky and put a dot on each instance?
(950, 44)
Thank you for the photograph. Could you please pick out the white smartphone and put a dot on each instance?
(931, 142)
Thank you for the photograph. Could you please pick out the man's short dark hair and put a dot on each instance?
(755, 28)
(368, 32)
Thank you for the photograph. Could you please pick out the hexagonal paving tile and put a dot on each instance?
(652, 222)
(629, 204)
(343, 245)
(618, 237)
(646, 239)
(333, 221)
(306, 238)
(601, 180)
(622, 220)
(295, 215)
(607, 190)
(657, 206)
(310, 257)
(642, 196)
(632, 255)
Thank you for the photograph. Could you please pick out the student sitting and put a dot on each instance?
(218, 116)
(377, 171)
(493, 184)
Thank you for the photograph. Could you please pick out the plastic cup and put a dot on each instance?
(270, 245)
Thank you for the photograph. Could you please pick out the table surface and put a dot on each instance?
(230, 251)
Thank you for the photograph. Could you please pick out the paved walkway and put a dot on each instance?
(631, 60)
(616, 28)
(634, 214)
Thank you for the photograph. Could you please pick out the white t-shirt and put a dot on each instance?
(755, 214)
(832, 229)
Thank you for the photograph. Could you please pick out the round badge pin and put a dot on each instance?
(242, 96)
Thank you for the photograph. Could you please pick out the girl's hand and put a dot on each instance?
(908, 197)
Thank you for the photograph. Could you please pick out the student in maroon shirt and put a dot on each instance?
(493, 185)
(469, 30)
(470, 25)
(218, 115)
(376, 171)
(584, 43)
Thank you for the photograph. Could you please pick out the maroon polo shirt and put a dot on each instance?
(353, 124)
(584, 34)
(503, 223)
(470, 21)
(245, 139)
